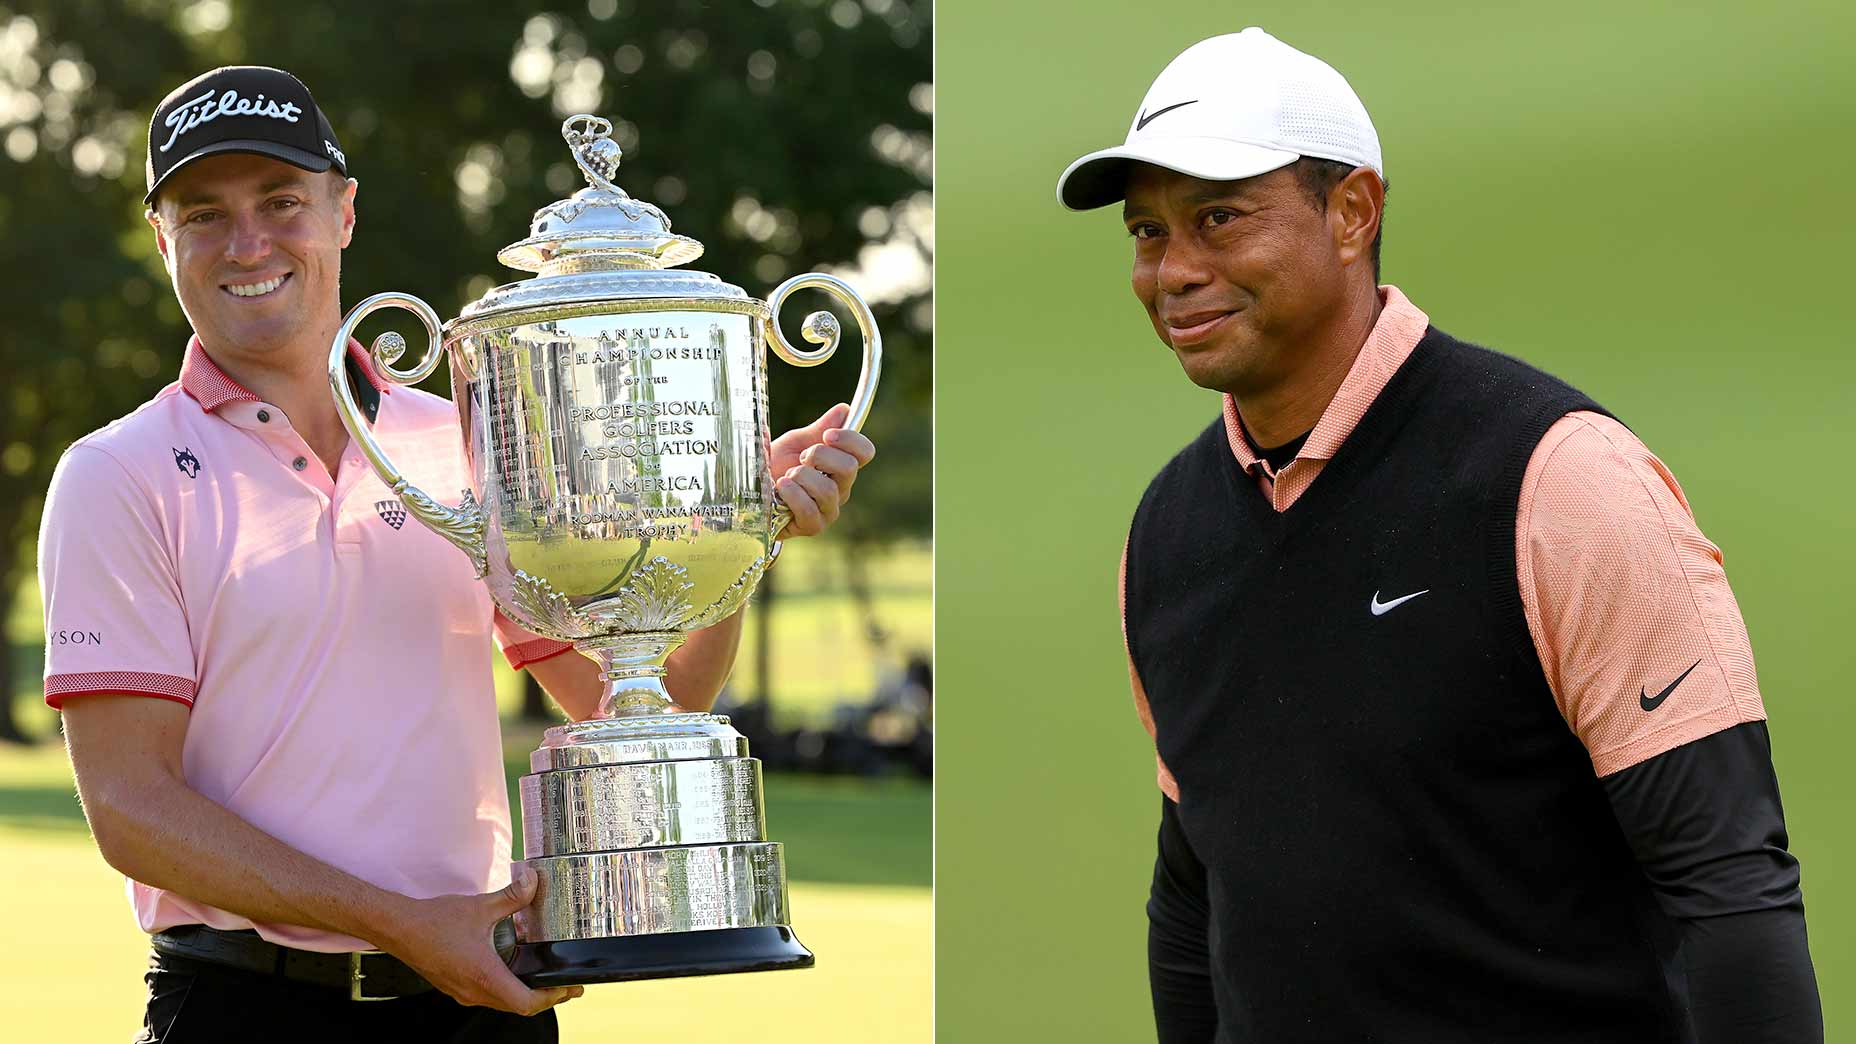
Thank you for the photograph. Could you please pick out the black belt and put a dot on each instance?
(366, 975)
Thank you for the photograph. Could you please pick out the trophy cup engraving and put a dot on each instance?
(614, 414)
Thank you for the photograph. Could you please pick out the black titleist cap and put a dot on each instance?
(240, 108)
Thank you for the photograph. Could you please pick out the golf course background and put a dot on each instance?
(1648, 199)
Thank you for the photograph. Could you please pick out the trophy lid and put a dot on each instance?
(599, 243)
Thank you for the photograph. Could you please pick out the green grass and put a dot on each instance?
(1638, 197)
(74, 972)
(37, 795)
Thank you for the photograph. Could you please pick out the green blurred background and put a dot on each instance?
(786, 135)
(1649, 200)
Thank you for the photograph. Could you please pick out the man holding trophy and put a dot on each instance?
(284, 730)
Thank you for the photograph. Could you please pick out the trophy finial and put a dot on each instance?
(590, 138)
(600, 227)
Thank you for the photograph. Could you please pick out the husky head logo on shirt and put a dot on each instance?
(188, 464)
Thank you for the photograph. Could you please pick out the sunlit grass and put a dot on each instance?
(81, 977)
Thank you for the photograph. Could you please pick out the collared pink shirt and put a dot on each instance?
(1621, 591)
(335, 653)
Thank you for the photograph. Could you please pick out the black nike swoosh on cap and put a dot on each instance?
(1650, 702)
(1144, 118)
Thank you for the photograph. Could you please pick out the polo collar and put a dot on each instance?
(1395, 333)
(213, 388)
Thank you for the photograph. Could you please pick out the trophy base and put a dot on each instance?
(622, 958)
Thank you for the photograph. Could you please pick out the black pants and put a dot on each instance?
(195, 1002)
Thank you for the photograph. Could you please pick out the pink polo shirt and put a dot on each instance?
(335, 653)
(1620, 589)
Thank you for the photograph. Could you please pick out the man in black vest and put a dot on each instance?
(1394, 622)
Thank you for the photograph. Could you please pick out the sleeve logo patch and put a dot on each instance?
(74, 638)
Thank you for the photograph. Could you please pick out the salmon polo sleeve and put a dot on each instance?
(521, 647)
(1162, 775)
(114, 617)
(1628, 603)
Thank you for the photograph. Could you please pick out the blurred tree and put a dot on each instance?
(785, 135)
(92, 326)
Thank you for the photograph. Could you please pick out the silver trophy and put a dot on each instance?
(615, 416)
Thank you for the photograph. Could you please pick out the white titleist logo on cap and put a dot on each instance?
(206, 108)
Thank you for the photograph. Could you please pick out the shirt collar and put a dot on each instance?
(213, 388)
(1397, 331)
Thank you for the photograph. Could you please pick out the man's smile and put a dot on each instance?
(256, 288)
(1193, 327)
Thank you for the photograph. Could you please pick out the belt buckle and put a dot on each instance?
(357, 991)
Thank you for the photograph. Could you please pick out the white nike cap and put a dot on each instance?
(1232, 107)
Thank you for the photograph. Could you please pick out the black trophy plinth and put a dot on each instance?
(572, 962)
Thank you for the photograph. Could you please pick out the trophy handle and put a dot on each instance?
(821, 328)
(462, 525)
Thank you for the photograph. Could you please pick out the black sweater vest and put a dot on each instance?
(1403, 840)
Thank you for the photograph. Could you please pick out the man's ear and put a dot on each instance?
(161, 239)
(349, 186)
(1356, 204)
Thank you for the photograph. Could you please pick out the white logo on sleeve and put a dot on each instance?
(206, 108)
(1380, 608)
